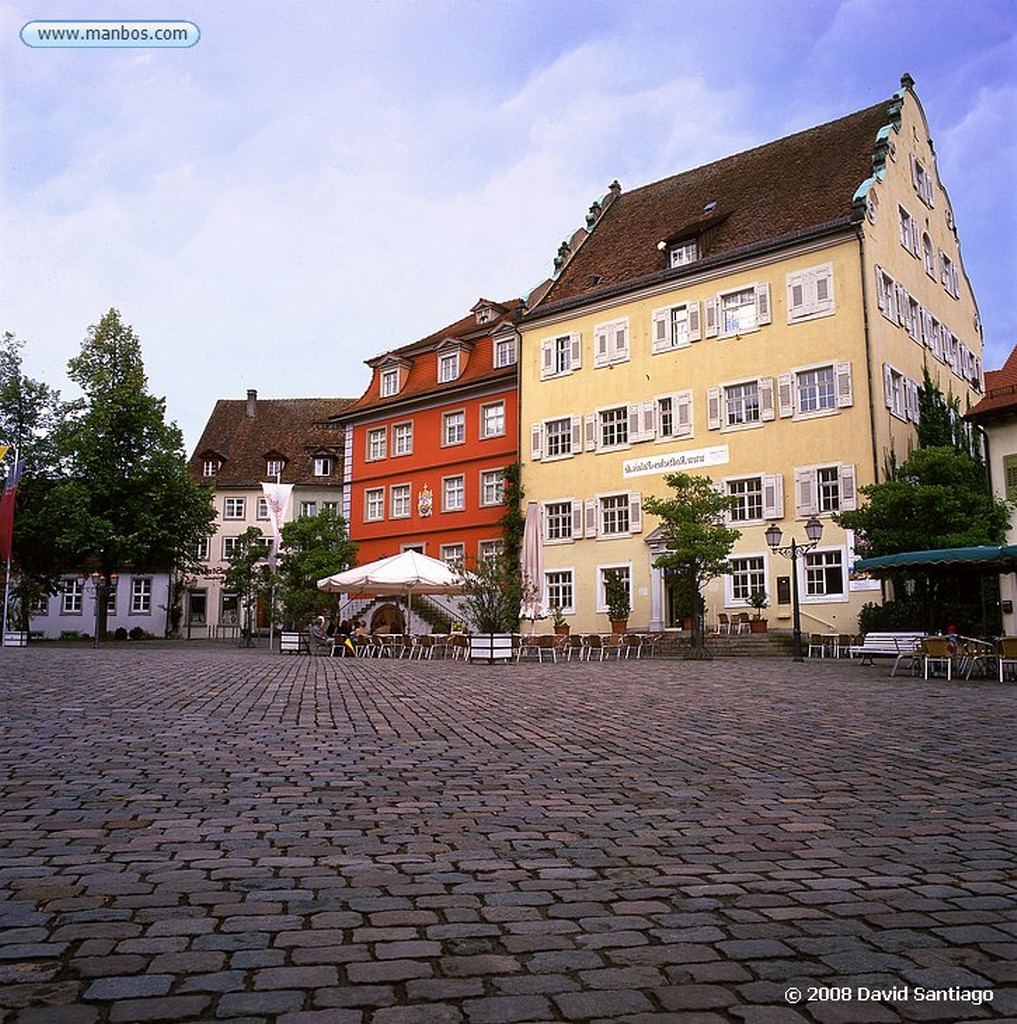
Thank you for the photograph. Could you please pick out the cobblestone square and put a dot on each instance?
(192, 833)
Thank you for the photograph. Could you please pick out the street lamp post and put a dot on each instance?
(101, 585)
(792, 551)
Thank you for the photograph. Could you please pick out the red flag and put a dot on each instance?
(7, 510)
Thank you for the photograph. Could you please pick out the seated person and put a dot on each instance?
(318, 633)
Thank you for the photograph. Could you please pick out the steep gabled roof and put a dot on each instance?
(244, 434)
(774, 193)
(1000, 392)
(420, 360)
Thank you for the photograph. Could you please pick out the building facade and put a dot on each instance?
(428, 442)
(247, 442)
(763, 320)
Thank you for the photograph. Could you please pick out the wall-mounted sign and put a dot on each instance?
(676, 462)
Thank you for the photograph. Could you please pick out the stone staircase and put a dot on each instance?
(771, 644)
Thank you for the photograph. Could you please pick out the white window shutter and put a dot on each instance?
(712, 310)
(683, 412)
(762, 303)
(824, 289)
(786, 394)
(546, 357)
(773, 496)
(915, 177)
(649, 428)
(635, 422)
(848, 490)
(621, 341)
(911, 399)
(590, 429)
(600, 346)
(661, 340)
(695, 327)
(842, 374)
(536, 441)
(713, 408)
(805, 491)
(577, 350)
(795, 295)
(590, 509)
(880, 290)
(635, 512)
(900, 299)
(765, 386)
(577, 434)
(888, 385)
(577, 518)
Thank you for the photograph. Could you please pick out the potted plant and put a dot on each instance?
(616, 597)
(759, 600)
(561, 627)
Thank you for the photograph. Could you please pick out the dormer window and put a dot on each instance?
(683, 253)
(274, 466)
(210, 467)
(448, 366)
(484, 315)
(390, 382)
(323, 465)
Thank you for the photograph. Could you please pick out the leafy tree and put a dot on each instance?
(126, 500)
(698, 540)
(247, 574)
(941, 423)
(493, 591)
(312, 548)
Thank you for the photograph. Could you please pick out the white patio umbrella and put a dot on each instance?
(532, 563)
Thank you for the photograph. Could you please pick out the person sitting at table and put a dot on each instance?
(318, 632)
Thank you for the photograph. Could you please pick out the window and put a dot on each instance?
(492, 486)
(948, 275)
(900, 394)
(141, 595)
(748, 499)
(683, 253)
(824, 489)
(490, 550)
(453, 555)
(613, 427)
(560, 355)
(389, 382)
(674, 416)
(815, 391)
(810, 293)
(558, 437)
(234, 508)
(928, 256)
(738, 312)
(374, 504)
(747, 574)
(909, 232)
(921, 178)
(202, 549)
(611, 342)
(229, 547)
(676, 326)
(71, 595)
(492, 420)
(453, 429)
(402, 439)
(558, 590)
(1010, 477)
(559, 521)
(824, 574)
(308, 508)
(377, 443)
(614, 514)
(261, 508)
(209, 467)
(741, 403)
(505, 352)
(400, 501)
(622, 572)
(274, 467)
(322, 465)
(330, 506)
(448, 366)
(453, 492)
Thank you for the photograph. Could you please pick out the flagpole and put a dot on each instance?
(7, 574)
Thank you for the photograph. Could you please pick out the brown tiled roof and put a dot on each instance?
(1000, 391)
(422, 376)
(776, 192)
(295, 428)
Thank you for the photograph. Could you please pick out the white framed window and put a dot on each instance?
(261, 508)
(505, 352)
(613, 427)
(559, 438)
(683, 253)
(673, 416)
(71, 595)
(490, 550)
(921, 178)
(560, 355)
(202, 549)
(234, 508)
(932, 336)
(448, 366)
(453, 427)
(739, 311)
(274, 467)
(928, 255)
(740, 404)
(611, 342)
(815, 390)
(229, 547)
(453, 494)
(810, 293)
(322, 465)
(756, 497)
(377, 443)
(389, 382)
(563, 520)
(402, 438)
(374, 504)
(824, 489)
(748, 574)
(948, 275)
(613, 515)
(492, 486)
(623, 571)
(886, 295)
(141, 595)
(492, 420)
(308, 508)
(824, 574)
(330, 506)
(399, 501)
(676, 326)
(909, 232)
(900, 394)
(559, 590)
(209, 467)
(453, 555)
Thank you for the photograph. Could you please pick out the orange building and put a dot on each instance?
(428, 442)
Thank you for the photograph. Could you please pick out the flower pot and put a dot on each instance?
(619, 625)
(562, 630)
(757, 625)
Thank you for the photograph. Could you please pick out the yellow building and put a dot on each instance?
(763, 320)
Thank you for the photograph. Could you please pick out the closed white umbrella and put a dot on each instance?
(532, 564)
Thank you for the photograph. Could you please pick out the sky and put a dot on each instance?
(313, 184)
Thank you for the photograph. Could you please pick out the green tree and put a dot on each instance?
(247, 574)
(493, 593)
(941, 423)
(697, 538)
(126, 499)
(312, 548)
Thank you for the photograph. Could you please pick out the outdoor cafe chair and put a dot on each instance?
(423, 647)
(741, 622)
(613, 646)
(1006, 648)
(573, 647)
(936, 655)
(817, 645)
(594, 646)
(631, 646)
(723, 623)
(649, 644)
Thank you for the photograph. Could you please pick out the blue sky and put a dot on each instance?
(315, 183)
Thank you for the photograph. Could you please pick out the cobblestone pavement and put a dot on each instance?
(195, 834)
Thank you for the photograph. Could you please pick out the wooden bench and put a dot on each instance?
(903, 645)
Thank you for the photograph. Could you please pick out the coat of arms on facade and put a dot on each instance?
(425, 502)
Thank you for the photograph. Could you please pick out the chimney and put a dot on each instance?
(252, 403)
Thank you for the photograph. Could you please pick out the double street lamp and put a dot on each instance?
(792, 551)
(102, 585)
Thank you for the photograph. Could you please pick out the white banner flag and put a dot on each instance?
(278, 498)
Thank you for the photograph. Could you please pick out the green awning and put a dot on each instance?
(979, 559)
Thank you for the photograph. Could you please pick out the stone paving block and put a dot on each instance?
(171, 1008)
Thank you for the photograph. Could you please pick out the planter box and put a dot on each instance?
(491, 647)
(15, 639)
(294, 643)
